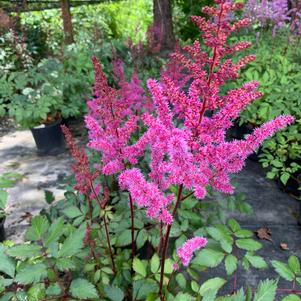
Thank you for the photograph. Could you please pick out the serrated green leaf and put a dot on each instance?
(209, 295)
(155, 263)
(39, 226)
(83, 289)
(36, 292)
(114, 293)
(168, 266)
(73, 243)
(72, 212)
(7, 265)
(124, 238)
(291, 297)
(243, 233)
(194, 286)
(233, 225)
(230, 264)
(142, 288)
(294, 264)
(212, 284)
(65, 264)
(32, 273)
(49, 196)
(53, 290)
(256, 261)
(181, 280)
(6, 297)
(24, 251)
(248, 244)
(55, 231)
(141, 238)
(283, 270)
(266, 290)
(139, 267)
(209, 258)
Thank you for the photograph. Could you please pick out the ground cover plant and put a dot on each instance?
(136, 217)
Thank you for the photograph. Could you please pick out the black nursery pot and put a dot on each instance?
(2, 229)
(49, 139)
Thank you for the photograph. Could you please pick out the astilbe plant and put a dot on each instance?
(186, 133)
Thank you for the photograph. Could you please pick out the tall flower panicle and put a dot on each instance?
(186, 134)
(113, 116)
(185, 252)
(81, 168)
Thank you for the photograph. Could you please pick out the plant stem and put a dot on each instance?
(165, 246)
(161, 239)
(132, 226)
(109, 243)
(106, 230)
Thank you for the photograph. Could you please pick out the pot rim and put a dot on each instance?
(38, 127)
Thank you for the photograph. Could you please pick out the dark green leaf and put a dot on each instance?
(283, 270)
(230, 264)
(209, 258)
(7, 265)
(139, 267)
(39, 225)
(73, 244)
(32, 273)
(155, 263)
(83, 289)
(212, 284)
(55, 231)
(114, 293)
(124, 238)
(266, 291)
(294, 264)
(24, 251)
(248, 244)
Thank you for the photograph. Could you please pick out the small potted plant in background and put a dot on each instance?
(34, 99)
(7, 180)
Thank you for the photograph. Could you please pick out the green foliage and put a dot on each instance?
(289, 271)
(92, 23)
(266, 291)
(58, 257)
(278, 71)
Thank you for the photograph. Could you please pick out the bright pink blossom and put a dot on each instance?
(113, 116)
(146, 194)
(185, 252)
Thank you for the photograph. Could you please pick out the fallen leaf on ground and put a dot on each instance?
(284, 246)
(264, 233)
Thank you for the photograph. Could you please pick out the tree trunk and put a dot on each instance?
(67, 22)
(163, 22)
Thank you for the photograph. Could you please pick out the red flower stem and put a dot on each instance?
(161, 239)
(187, 196)
(132, 226)
(109, 244)
(212, 65)
(165, 246)
(106, 230)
